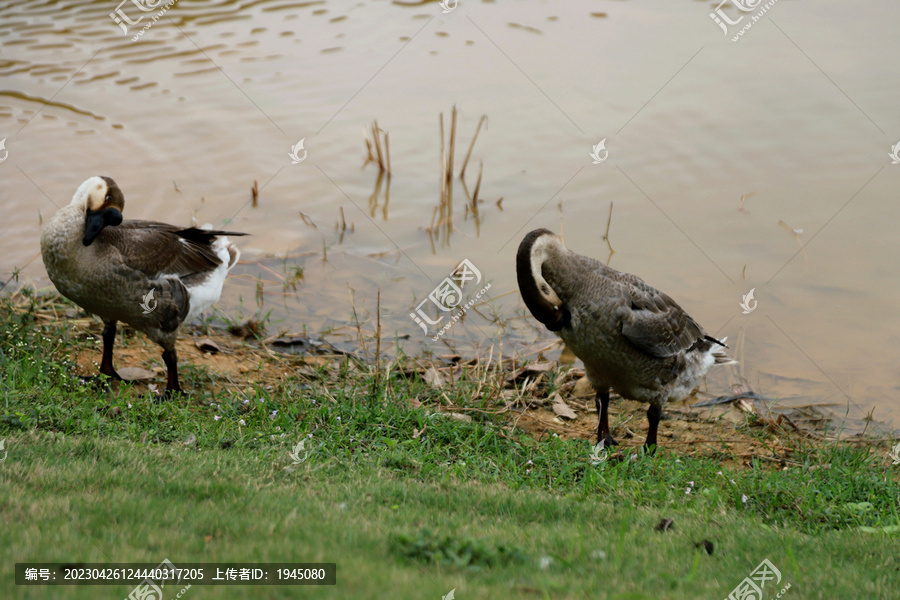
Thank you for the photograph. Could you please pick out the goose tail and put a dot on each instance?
(719, 356)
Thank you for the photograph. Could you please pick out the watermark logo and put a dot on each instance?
(145, 6)
(6, 152)
(447, 296)
(894, 454)
(596, 456)
(748, 303)
(751, 587)
(895, 153)
(452, 594)
(448, 6)
(5, 453)
(146, 304)
(600, 147)
(724, 21)
(165, 572)
(295, 454)
(295, 150)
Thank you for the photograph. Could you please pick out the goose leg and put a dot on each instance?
(171, 361)
(602, 402)
(653, 415)
(109, 338)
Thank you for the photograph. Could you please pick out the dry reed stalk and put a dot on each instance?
(477, 188)
(359, 335)
(377, 144)
(449, 173)
(380, 157)
(254, 191)
(378, 333)
(443, 164)
(462, 172)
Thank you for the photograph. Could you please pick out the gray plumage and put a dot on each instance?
(631, 337)
(153, 276)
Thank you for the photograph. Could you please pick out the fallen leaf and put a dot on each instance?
(745, 406)
(706, 545)
(135, 374)
(583, 389)
(207, 345)
(460, 417)
(316, 361)
(433, 377)
(534, 368)
(561, 408)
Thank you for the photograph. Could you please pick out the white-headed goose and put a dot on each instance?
(150, 275)
(631, 337)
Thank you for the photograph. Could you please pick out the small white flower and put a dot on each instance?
(744, 498)
(544, 562)
(241, 422)
(216, 418)
(247, 401)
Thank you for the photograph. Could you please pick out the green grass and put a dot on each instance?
(408, 503)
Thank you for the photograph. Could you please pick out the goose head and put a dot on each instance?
(102, 202)
(543, 302)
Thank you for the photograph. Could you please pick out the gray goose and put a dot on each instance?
(631, 337)
(150, 275)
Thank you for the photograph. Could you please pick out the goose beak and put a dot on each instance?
(98, 219)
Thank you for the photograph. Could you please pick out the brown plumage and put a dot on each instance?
(153, 276)
(631, 337)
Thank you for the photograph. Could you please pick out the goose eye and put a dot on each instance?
(109, 197)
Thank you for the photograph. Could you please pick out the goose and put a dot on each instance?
(152, 276)
(631, 337)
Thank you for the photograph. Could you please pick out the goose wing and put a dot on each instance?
(654, 322)
(161, 249)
